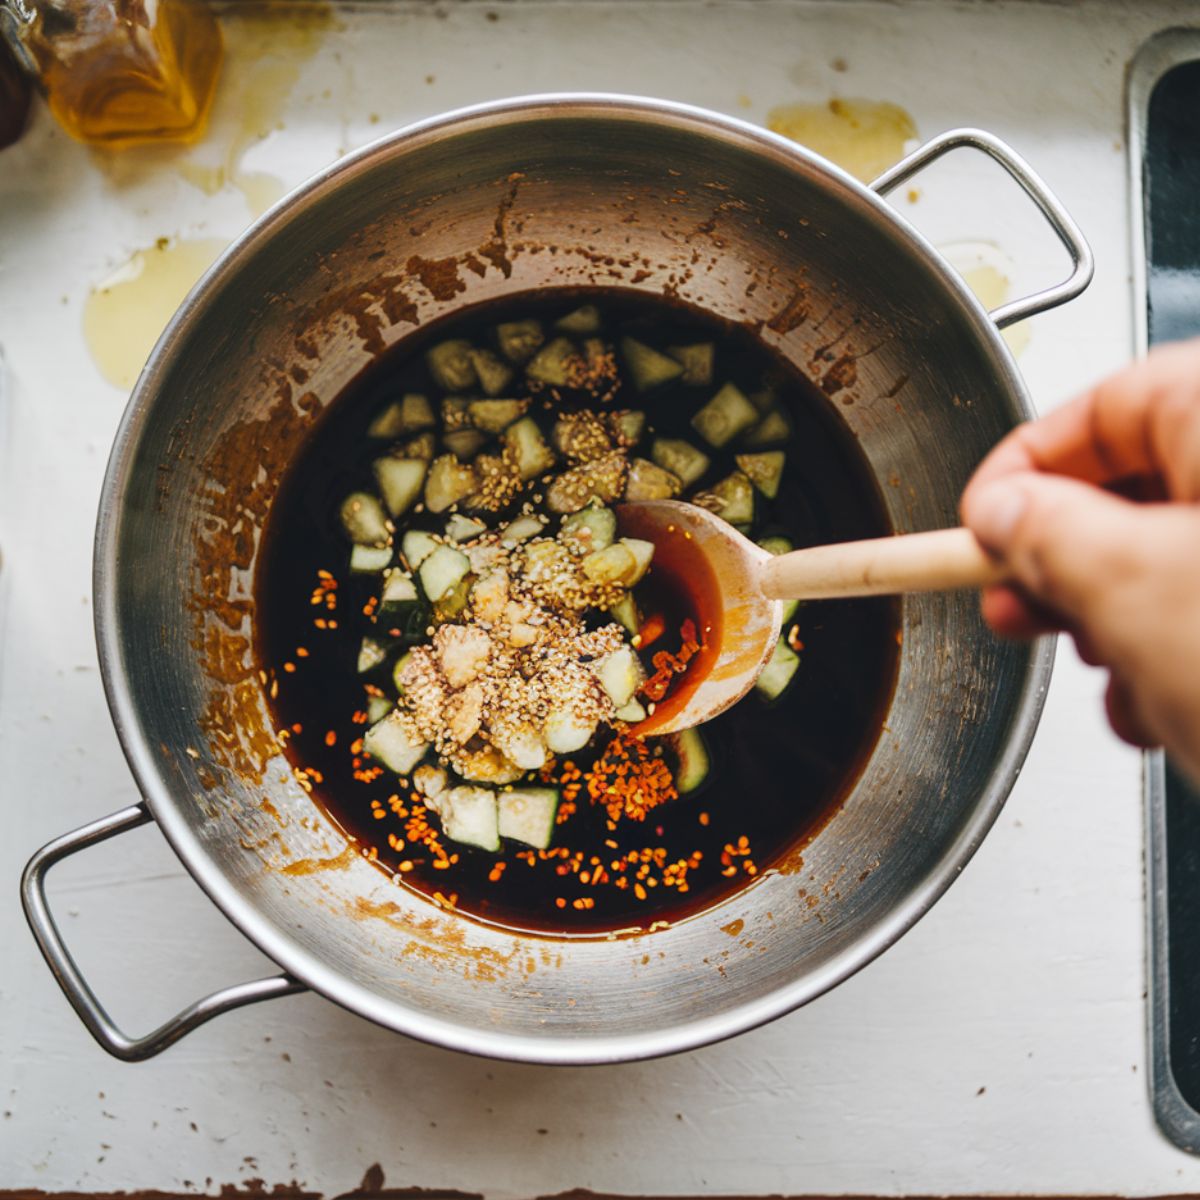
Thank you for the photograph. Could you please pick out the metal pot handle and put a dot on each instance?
(1033, 186)
(83, 1000)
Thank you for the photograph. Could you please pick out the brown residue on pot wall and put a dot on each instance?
(438, 939)
(495, 250)
(793, 314)
(310, 866)
(842, 373)
(438, 276)
(373, 310)
(248, 459)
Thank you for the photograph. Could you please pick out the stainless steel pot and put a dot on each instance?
(487, 201)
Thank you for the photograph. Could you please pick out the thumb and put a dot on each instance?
(1068, 544)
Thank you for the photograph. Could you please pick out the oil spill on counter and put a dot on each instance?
(864, 137)
(266, 47)
(988, 271)
(126, 312)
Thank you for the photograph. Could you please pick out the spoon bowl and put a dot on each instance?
(738, 589)
(738, 623)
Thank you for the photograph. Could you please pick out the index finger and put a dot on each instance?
(1115, 430)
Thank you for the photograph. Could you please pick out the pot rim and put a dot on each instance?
(274, 941)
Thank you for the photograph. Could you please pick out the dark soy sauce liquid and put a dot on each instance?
(778, 770)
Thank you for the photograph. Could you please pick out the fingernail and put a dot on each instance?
(995, 512)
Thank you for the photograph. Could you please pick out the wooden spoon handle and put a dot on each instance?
(914, 562)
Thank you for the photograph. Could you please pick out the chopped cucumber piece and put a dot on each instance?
(392, 744)
(452, 604)
(732, 498)
(649, 482)
(398, 590)
(499, 482)
(465, 443)
(451, 366)
(409, 414)
(624, 562)
(519, 339)
(680, 458)
(552, 363)
(469, 817)
(625, 613)
(581, 436)
(418, 546)
(631, 713)
(370, 654)
(629, 426)
(764, 399)
(368, 560)
(386, 423)
(770, 431)
(777, 544)
(693, 758)
(493, 416)
(697, 362)
(422, 446)
(398, 671)
(613, 564)
(400, 481)
(763, 470)
(598, 355)
(494, 373)
(603, 480)
(778, 672)
(522, 529)
(525, 440)
(566, 732)
(585, 319)
(464, 529)
(591, 528)
(726, 415)
(442, 571)
(528, 815)
(648, 367)
(449, 482)
(643, 553)
(620, 675)
(364, 520)
(404, 614)
(378, 707)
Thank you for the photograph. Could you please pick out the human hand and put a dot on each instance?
(1052, 502)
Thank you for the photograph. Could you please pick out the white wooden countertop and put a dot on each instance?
(999, 1047)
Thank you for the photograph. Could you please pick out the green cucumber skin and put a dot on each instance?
(777, 676)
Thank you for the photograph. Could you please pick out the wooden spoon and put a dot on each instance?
(737, 587)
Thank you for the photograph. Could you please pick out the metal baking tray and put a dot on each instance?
(1164, 158)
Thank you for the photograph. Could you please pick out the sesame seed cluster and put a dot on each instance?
(482, 689)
